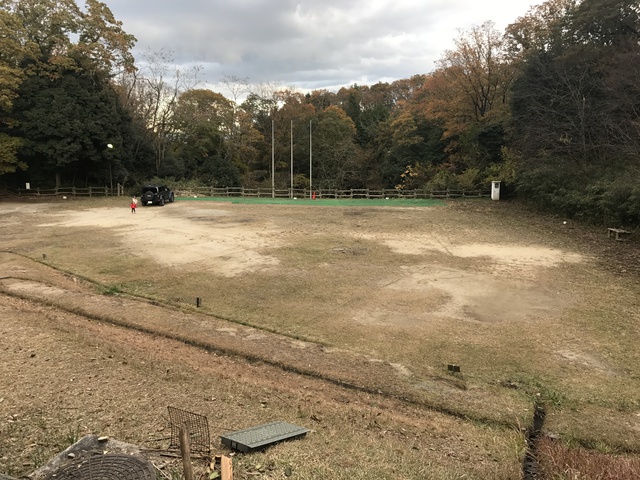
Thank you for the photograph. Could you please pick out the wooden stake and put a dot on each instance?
(226, 468)
(185, 449)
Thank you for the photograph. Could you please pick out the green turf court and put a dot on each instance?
(333, 202)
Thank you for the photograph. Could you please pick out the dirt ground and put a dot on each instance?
(194, 240)
(75, 360)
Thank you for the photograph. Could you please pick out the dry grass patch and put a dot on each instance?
(562, 463)
(72, 376)
(379, 298)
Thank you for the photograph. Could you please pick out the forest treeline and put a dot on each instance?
(550, 106)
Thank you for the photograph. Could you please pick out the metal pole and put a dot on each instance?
(291, 194)
(310, 162)
(273, 160)
(110, 147)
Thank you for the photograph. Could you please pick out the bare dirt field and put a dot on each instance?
(340, 319)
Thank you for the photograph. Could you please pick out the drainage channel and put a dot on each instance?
(530, 465)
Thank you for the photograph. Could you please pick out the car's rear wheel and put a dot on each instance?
(161, 201)
(171, 198)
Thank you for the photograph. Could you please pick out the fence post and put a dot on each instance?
(185, 450)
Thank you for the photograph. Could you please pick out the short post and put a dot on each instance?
(198, 302)
(185, 449)
(226, 468)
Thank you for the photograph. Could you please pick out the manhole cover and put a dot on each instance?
(106, 467)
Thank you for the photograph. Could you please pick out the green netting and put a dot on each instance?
(333, 202)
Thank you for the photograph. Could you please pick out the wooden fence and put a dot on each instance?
(71, 192)
(352, 193)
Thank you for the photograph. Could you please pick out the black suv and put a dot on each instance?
(156, 194)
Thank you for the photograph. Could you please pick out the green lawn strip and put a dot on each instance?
(325, 202)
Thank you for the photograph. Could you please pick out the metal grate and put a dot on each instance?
(262, 436)
(197, 426)
(105, 467)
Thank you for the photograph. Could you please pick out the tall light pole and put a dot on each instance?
(310, 162)
(291, 194)
(273, 159)
(110, 147)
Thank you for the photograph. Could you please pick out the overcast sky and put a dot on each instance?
(319, 44)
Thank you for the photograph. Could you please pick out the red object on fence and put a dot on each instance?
(313, 196)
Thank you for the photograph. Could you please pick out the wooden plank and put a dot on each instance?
(226, 468)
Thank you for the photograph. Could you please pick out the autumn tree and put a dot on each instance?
(469, 94)
(322, 99)
(203, 120)
(383, 150)
(545, 28)
(103, 40)
(58, 35)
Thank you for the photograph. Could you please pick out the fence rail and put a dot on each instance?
(71, 191)
(353, 193)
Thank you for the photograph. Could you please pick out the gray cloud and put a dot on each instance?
(307, 44)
